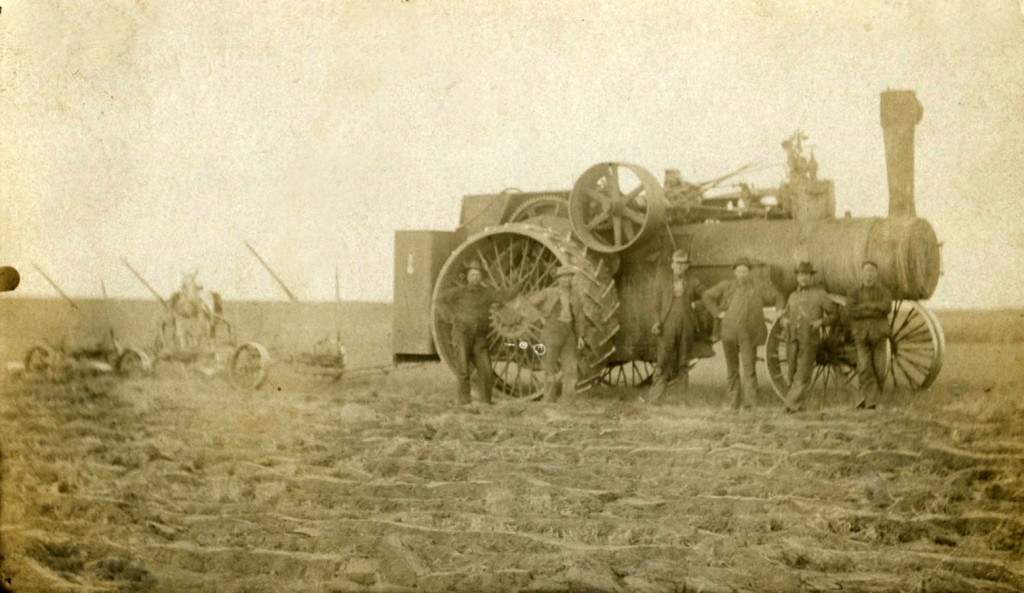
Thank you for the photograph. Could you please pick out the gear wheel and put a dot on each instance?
(540, 206)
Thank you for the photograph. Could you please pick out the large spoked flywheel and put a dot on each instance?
(614, 206)
(519, 252)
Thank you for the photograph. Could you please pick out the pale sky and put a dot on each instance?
(171, 132)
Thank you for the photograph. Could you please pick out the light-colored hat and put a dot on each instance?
(743, 261)
(680, 257)
(473, 265)
(805, 267)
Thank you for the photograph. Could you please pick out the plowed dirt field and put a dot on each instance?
(180, 483)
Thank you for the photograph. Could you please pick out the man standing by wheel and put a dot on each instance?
(562, 334)
(868, 308)
(468, 307)
(738, 303)
(676, 327)
(809, 308)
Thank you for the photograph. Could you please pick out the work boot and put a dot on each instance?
(679, 388)
(462, 395)
(657, 391)
(550, 392)
(703, 349)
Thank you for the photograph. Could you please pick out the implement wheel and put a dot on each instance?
(133, 363)
(247, 366)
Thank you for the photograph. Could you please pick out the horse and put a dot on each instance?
(194, 313)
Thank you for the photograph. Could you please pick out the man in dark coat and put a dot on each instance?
(738, 303)
(469, 307)
(808, 309)
(676, 327)
(868, 309)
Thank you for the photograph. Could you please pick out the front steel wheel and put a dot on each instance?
(834, 377)
(916, 345)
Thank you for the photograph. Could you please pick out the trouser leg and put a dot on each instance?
(748, 370)
(731, 348)
(804, 366)
(485, 374)
(791, 360)
(568, 368)
(683, 364)
(462, 345)
(553, 337)
(866, 375)
(666, 362)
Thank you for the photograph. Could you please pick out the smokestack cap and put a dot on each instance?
(900, 108)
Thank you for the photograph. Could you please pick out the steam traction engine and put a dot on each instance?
(618, 227)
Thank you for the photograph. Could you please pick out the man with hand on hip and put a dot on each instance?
(809, 309)
(738, 302)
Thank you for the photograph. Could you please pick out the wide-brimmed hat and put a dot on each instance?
(473, 265)
(564, 270)
(743, 261)
(680, 257)
(805, 267)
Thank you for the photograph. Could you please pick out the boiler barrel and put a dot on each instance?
(905, 249)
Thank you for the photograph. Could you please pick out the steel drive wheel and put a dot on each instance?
(834, 378)
(916, 345)
(614, 206)
(248, 365)
(523, 252)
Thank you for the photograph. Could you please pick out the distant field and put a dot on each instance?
(1004, 326)
(365, 328)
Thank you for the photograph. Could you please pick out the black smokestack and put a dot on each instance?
(900, 112)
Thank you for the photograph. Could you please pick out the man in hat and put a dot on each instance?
(562, 333)
(676, 327)
(808, 309)
(868, 309)
(468, 307)
(738, 302)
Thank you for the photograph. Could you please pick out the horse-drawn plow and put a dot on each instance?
(196, 333)
(59, 362)
(251, 364)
